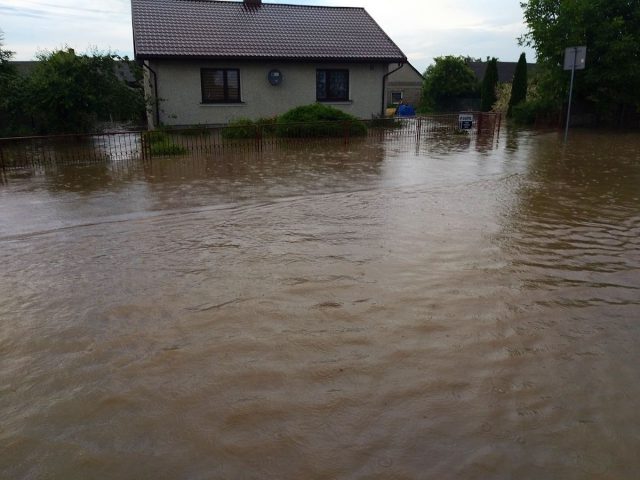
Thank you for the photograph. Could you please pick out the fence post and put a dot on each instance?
(480, 121)
(146, 146)
(143, 153)
(258, 137)
(1, 157)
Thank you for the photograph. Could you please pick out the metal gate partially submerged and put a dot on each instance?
(40, 151)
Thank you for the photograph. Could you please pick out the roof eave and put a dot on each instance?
(296, 59)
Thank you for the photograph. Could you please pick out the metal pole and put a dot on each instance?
(573, 71)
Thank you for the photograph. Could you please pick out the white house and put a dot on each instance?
(209, 62)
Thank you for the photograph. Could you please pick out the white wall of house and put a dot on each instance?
(180, 94)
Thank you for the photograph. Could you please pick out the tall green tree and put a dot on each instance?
(489, 85)
(611, 31)
(447, 79)
(519, 84)
(71, 92)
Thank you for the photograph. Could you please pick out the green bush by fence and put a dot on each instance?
(318, 120)
(240, 128)
(308, 121)
(160, 143)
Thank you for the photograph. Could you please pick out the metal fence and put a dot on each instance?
(37, 151)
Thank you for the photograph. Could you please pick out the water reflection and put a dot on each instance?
(512, 139)
(42, 152)
(88, 179)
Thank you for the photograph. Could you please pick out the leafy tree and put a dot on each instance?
(489, 85)
(6, 69)
(519, 84)
(611, 31)
(5, 56)
(10, 91)
(446, 80)
(70, 92)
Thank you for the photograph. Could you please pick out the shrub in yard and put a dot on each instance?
(528, 111)
(156, 136)
(267, 124)
(318, 120)
(240, 128)
(160, 144)
(167, 148)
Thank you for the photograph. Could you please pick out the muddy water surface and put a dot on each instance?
(441, 309)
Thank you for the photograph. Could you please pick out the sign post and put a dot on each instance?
(574, 59)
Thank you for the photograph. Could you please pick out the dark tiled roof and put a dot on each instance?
(217, 29)
(506, 70)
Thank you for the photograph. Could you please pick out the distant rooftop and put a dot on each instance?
(219, 29)
(506, 70)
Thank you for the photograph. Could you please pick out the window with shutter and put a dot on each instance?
(220, 85)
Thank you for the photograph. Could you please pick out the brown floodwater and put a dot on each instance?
(444, 308)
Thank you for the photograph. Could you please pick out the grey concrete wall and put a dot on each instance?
(179, 90)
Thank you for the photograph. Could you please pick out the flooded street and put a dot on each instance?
(382, 310)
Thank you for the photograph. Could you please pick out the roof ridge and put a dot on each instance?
(238, 2)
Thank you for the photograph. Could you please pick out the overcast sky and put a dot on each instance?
(423, 29)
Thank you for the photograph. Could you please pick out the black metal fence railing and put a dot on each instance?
(40, 151)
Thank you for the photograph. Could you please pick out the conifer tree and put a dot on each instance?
(519, 85)
(489, 84)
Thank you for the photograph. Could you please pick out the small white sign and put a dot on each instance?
(465, 121)
(575, 56)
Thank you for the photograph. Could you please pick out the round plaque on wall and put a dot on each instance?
(275, 77)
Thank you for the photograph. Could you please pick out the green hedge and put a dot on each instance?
(244, 128)
(527, 112)
(268, 125)
(160, 143)
(318, 120)
(315, 120)
(240, 128)
(167, 148)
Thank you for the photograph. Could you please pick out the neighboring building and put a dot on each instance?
(506, 70)
(404, 85)
(209, 62)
